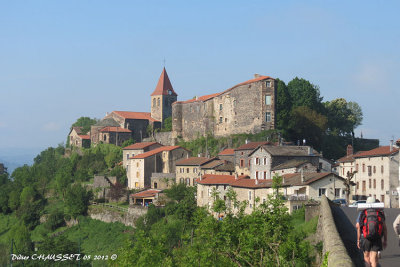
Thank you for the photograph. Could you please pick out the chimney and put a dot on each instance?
(283, 180)
(302, 175)
(349, 150)
(199, 155)
(246, 141)
(256, 75)
(236, 176)
(256, 181)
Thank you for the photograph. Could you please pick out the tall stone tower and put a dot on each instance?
(162, 98)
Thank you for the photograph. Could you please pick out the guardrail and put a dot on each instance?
(338, 255)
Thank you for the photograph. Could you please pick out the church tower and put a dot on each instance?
(162, 98)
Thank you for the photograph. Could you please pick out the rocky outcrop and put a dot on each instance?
(109, 214)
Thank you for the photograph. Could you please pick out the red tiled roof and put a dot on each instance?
(207, 97)
(251, 183)
(218, 179)
(115, 129)
(380, 151)
(147, 193)
(140, 145)
(252, 145)
(85, 137)
(228, 151)
(155, 151)
(193, 161)
(163, 85)
(135, 115)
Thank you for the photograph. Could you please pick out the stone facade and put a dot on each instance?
(248, 107)
(162, 180)
(188, 170)
(114, 135)
(136, 149)
(378, 175)
(77, 139)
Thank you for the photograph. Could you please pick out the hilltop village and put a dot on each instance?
(155, 162)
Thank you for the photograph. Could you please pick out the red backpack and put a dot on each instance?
(372, 222)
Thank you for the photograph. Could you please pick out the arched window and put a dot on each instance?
(154, 102)
(158, 101)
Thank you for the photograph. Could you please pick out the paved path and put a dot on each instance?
(391, 255)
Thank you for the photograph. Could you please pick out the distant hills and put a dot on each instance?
(13, 158)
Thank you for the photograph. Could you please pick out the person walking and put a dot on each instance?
(373, 227)
(396, 227)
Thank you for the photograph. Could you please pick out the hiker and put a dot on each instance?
(373, 227)
(396, 227)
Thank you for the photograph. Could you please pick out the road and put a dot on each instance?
(391, 255)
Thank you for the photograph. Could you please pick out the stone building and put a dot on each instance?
(242, 161)
(114, 135)
(162, 98)
(264, 158)
(378, 174)
(159, 160)
(189, 169)
(136, 149)
(293, 166)
(248, 107)
(218, 166)
(227, 154)
(77, 138)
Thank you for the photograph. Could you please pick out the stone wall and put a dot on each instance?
(109, 215)
(164, 138)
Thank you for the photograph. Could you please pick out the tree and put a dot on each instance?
(348, 183)
(21, 239)
(117, 191)
(85, 123)
(77, 200)
(304, 93)
(167, 125)
(356, 116)
(283, 106)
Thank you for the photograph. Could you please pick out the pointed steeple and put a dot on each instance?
(164, 86)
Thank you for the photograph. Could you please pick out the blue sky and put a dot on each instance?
(60, 60)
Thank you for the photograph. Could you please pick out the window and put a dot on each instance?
(249, 163)
(369, 170)
(209, 192)
(357, 167)
(187, 170)
(383, 198)
(187, 181)
(369, 183)
(155, 185)
(249, 195)
(358, 184)
(257, 161)
(382, 184)
(337, 192)
(181, 180)
(136, 184)
(158, 101)
(265, 175)
(374, 169)
(226, 119)
(154, 102)
(220, 119)
(127, 156)
(195, 170)
(374, 183)
(104, 137)
(241, 163)
(382, 169)
(363, 186)
(256, 174)
(137, 174)
(264, 200)
(267, 100)
(363, 167)
(137, 164)
(265, 161)
(321, 191)
(268, 83)
(194, 182)
(268, 116)
(241, 153)
(220, 106)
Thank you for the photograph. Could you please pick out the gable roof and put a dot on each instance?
(252, 145)
(227, 151)
(377, 152)
(146, 193)
(155, 151)
(207, 97)
(140, 145)
(294, 163)
(212, 164)
(218, 179)
(253, 183)
(288, 151)
(226, 166)
(107, 122)
(78, 129)
(163, 85)
(110, 129)
(134, 115)
(84, 137)
(292, 179)
(192, 161)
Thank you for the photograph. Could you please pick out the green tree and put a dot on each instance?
(21, 238)
(283, 106)
(304, 93)
(356, 115)
(85, 123)
(167, 125)
(77, 200)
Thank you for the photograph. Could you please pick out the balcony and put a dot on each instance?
(299, 197)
